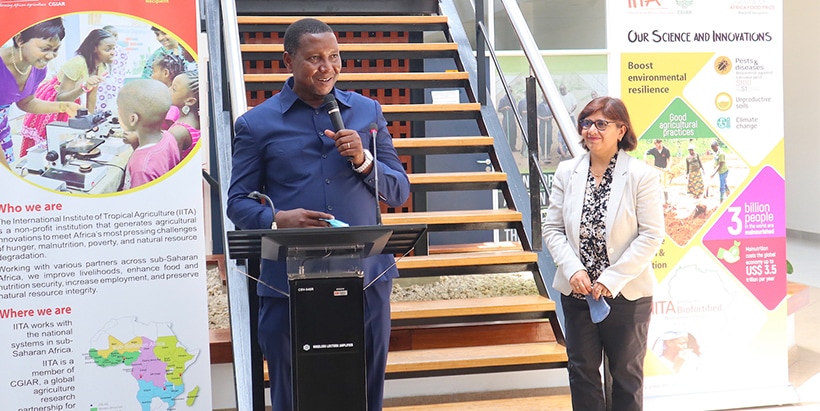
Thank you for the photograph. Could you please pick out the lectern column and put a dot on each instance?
(328, 347)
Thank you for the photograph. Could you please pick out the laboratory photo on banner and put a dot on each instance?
(102, 229)
(109, 103)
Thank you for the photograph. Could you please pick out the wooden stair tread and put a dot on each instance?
(404, 310)
(474, 247)
(556, 402)
(331, 20)
(453, 217)
(428, 142)
(475, 357)
(464, 358)
(443, 145)
(458, 177)
(467, 259)
(430, 108)
(355, 47)
(421, 76)
(427, 108)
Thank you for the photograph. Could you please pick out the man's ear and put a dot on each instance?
(286, 57)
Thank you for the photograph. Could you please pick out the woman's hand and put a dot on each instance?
(599, 290)
(92, 82)
(580, 282)
(69, 107)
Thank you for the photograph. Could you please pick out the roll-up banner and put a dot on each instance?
(704, 80)
(103, 301)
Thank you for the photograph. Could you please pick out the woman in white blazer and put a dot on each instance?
(603, 227)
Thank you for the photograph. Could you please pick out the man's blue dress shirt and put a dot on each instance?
(280, 149)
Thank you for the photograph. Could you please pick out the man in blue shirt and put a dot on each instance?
(287, 149)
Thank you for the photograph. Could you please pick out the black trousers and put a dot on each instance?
(622, 338)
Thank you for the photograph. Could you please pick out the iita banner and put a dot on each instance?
(103, 301)
(703, 83)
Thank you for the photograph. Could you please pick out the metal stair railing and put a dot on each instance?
(539, 82)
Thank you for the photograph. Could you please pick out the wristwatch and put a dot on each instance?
(368, 159)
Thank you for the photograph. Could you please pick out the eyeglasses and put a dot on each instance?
(601, 125)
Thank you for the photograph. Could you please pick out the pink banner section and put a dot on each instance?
(749, 238)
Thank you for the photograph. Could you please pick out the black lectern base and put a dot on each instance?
(327, 335)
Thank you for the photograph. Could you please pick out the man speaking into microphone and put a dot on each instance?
(289, 149)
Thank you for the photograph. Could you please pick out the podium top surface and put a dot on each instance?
(247, 244)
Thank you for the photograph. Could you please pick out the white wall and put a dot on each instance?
(801, 61)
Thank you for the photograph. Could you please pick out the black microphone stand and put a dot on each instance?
(259, 196)
(374, 131)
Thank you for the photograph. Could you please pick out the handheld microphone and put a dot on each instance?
(374, 131)
(333, 112)
(259, 196)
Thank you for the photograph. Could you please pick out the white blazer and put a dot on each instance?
(634, 225)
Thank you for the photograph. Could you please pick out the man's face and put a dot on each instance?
(714, 148)
(315, 67)
(658, 145)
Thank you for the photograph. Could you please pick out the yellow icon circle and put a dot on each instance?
(723, 65)
(723, 101)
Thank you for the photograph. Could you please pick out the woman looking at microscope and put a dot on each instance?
(78, 77)
(25, 64)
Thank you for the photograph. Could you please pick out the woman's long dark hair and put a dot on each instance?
(46, 30)
(89, 45)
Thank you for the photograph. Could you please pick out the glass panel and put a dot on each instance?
(556, 24)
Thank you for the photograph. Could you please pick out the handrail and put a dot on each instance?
(567, 130)
(539, 68)
(507, 90)
(532, 157)
(225, 56)
(233, 60)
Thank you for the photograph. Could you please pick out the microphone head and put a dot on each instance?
(330, 100)
(373, 127)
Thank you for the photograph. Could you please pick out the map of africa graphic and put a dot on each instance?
(154, 357)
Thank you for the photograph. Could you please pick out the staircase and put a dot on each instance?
(387, 57)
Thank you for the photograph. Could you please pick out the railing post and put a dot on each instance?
(534, 167)
(480, 53)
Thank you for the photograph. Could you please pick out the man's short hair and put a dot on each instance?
(300, 27)
(658, 141)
